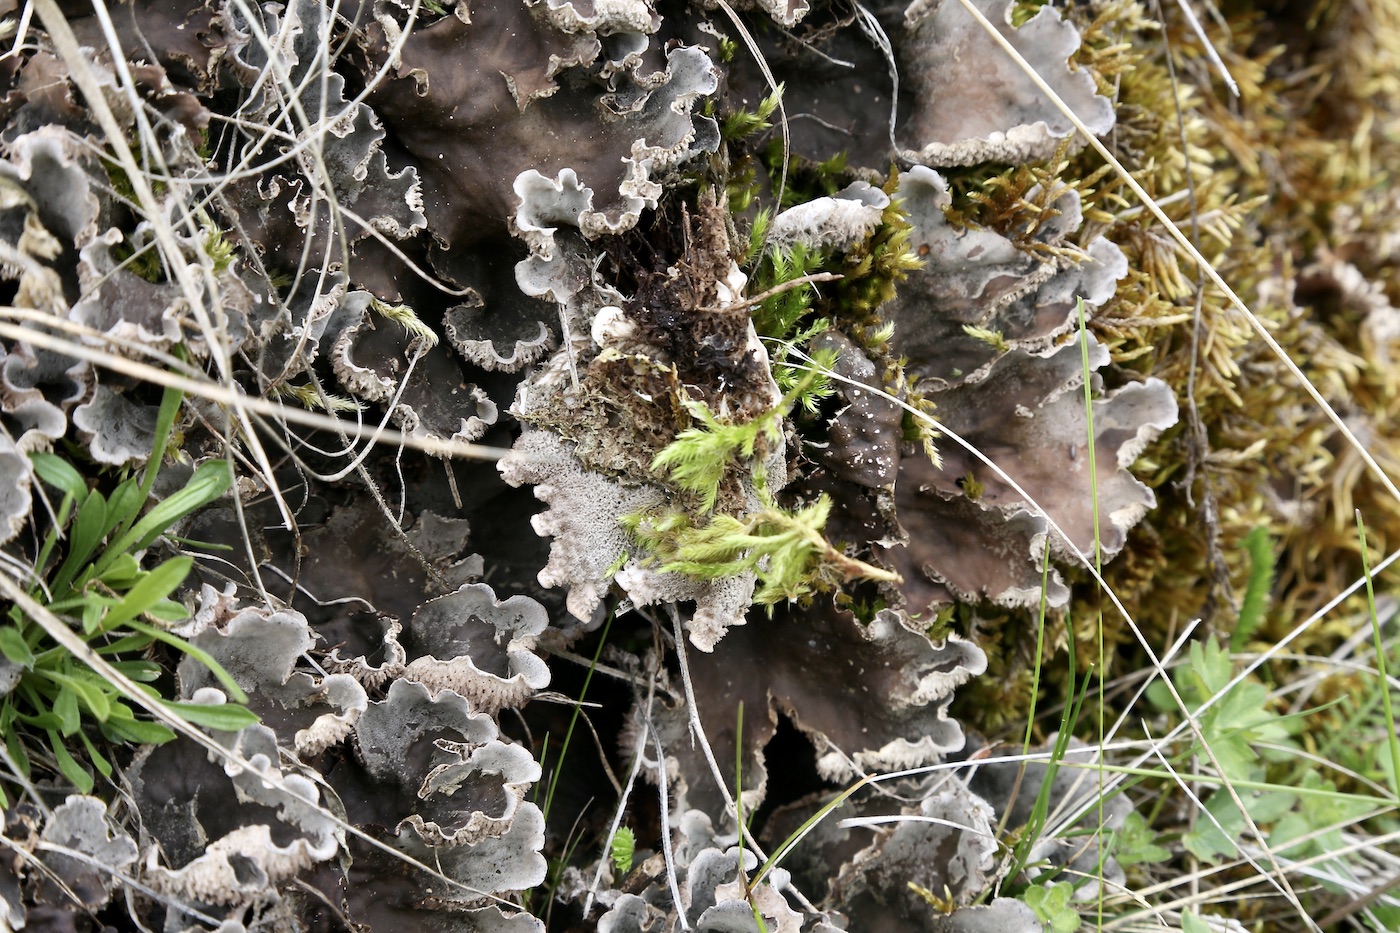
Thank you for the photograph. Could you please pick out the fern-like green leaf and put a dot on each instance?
(1256, 594)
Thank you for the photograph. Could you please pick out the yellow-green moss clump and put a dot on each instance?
(1285, 191)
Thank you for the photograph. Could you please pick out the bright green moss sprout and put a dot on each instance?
(744, 123)
(785, 548)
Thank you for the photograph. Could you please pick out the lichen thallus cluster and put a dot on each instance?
(726, 516)
(800, 293)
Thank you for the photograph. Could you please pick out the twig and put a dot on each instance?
(1211, 54)
(225, 395)
(787, 286)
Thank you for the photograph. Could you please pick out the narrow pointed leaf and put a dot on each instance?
(68, 765)
(226, 717)
(150, 589)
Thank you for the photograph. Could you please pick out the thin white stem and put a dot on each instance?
(224, 395)
(622, 806)
(664, 796)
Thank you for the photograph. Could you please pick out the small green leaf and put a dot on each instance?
(226, 717)
(127, 729)
(1208, 840)
(93, 610)
(1052, 907)
(1135, 843)
(152, 588)
(68, 765)
(168, 610)
(44, 720)
(90, 693)
(121, 572)
(207, 484)
(123, 505)
(1190, 923)
(1255, 602)
(165, 421)
(83, 539)
(15, 747)
(60, 474)
(65, 709)
(126, 644)
(14, 647)
(140, 671)
(99, 761)
(230, 685)
(41, 563)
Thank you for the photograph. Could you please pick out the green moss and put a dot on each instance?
(627, 409)
(744, 123)
(785, 548)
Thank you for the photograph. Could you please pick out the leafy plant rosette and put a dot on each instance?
(89, 572)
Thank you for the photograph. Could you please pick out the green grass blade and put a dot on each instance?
(15, 746)
(798, 834)
(1091, 455)
(230, 686)
(1041, 810)
(123, 505)
(83, 540)
(165, 422)
(65, 510)
(123, 726)
(99, 761)
(68, 766)
(14, 647)
(226, 717)
(573, 719)
(65, 706)
(1035, 683)
(60, 474)
(72, 689)
(1383, 684)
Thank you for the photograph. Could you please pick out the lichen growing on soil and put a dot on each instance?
(665, 415)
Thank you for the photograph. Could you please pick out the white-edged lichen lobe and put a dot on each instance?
(810, 354)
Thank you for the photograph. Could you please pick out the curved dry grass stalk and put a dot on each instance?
(67, 46)
(235, 398)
